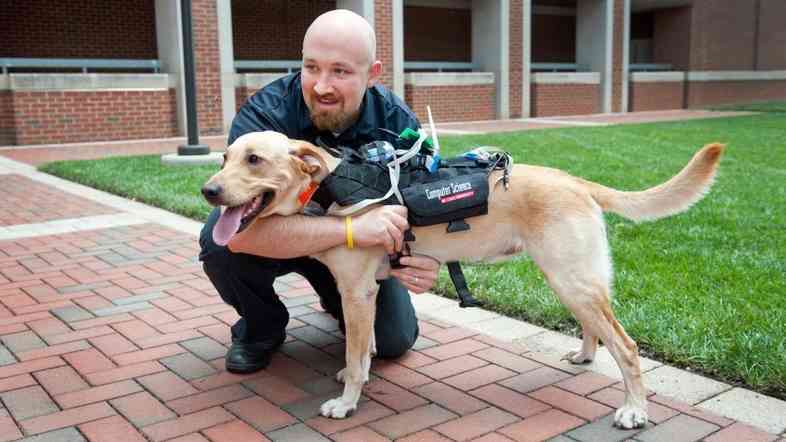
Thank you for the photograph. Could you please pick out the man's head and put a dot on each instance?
(339, 64)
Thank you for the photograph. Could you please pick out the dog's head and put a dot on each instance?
(264, 173)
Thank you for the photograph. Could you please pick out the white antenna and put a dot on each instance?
(432, 162)
(433, 131)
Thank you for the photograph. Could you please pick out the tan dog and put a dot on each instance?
(555, 217)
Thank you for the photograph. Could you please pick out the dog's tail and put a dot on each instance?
(674, 196)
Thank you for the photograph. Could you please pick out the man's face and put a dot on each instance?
(334, 79)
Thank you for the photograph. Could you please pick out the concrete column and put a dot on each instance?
(360, 7)
(226, 56)
(626, 57)
(594, 42)
(169, 36)
(526, 59)
(490, 47)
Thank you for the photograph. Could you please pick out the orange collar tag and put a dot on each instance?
(305, 197)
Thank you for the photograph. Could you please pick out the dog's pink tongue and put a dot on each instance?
(227, 225)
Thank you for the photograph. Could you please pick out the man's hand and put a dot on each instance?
(384, 226)
(419, 273)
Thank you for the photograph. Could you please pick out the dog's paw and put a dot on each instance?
(628, 417)
(337, 409)
(577, 357)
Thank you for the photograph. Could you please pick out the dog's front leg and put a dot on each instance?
(359, 308)
(358, 288)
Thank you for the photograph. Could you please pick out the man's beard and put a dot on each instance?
(333, 121)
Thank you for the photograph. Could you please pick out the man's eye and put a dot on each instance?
(253, 159)
(340, 71)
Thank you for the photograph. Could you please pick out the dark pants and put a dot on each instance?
(246, 283)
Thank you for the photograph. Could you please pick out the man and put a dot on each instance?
(333, 101)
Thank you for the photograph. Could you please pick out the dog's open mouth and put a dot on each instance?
(235, 219)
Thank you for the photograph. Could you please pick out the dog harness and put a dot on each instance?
(456, 189)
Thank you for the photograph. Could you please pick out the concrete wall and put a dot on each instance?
(490, 51)
(556, 94)
(87, 107)
(651, 91)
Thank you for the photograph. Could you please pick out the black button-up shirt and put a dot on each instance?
(280, 107)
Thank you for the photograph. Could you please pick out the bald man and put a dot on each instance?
(334, 101)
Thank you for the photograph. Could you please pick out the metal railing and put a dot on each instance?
(649, 67)
(78, 63)
(439, 66)
(557, 67)
(268, 65)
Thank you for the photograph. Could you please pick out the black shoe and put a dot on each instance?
(248, 357)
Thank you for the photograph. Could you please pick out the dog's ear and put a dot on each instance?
(309, 159)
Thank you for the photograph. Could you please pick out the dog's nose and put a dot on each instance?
(211, 191)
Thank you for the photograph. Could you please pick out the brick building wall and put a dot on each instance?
(273, 29)
(83, 29)
(74, 116)
(650, 96)
(672, 36)
(241, 95)
(208, 67)
(708, 93)
(516, 61)
(437, 34)
(564, 99)
(549, 46)
(7, 127)
(383, 25)
(772, 36)
(723, 35)
(452, 103)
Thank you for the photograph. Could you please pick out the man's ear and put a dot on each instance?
(374, 72)
(309, 159)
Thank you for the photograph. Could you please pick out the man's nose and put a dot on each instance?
(322, 86)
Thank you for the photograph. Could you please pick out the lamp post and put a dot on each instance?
(192, 131)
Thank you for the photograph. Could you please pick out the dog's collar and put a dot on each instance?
(306, 195)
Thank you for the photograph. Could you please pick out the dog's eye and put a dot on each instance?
(253, 159)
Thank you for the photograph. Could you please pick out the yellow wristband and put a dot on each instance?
(350, 242)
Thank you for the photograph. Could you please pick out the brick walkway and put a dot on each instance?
(110, 331)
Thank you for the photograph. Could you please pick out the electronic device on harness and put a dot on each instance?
(408, 171)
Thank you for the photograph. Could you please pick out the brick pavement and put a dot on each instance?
(116, 334)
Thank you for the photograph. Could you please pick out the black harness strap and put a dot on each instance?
(457, 276)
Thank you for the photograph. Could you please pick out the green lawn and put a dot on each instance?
(705, 289)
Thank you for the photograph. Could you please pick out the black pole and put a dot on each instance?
(192, 131)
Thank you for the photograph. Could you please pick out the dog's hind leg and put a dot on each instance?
(580, 275)
(355, 279)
